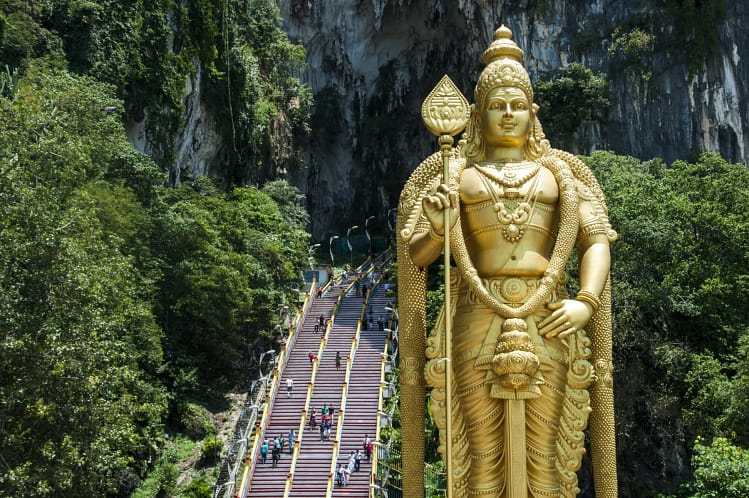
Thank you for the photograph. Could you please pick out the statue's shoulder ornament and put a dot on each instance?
(589, 194)
(584, 192)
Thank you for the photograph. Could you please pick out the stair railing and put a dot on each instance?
(270, 396)
(383, 383)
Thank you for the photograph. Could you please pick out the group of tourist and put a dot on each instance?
(321, 323)
(369, 320)
(276, 447)
(344, 471)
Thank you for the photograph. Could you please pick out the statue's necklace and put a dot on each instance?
(508, 178)
(513, 222)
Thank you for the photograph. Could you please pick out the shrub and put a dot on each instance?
(196, 421)
(210, 450)
(168, 475)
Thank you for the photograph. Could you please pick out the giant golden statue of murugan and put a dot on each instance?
(529, 365)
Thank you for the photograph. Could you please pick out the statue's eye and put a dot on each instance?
(520, 106)
(495, 105)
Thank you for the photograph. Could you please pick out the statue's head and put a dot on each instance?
(504, 69)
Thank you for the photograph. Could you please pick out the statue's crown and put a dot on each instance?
(504, 67)
(502, 46)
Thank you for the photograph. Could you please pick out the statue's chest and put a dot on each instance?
(513, 200)
(480, 185)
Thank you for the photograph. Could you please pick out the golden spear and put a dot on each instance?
(445, 113)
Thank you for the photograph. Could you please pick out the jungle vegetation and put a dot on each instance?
(127, 304)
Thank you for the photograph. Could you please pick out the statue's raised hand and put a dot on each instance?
(436, 203)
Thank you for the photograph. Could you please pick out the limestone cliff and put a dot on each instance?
(371, 63)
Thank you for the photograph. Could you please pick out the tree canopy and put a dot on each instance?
(121, 299)
(679, 278)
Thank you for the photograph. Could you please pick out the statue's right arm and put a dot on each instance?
(428, 238)
(425, 247)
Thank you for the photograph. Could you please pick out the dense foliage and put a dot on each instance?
(120, 299)
(680, 319)
(721, 471)
(576, 95)
(148, 50)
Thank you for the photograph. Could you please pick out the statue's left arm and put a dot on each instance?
(591, 309)
(570, 315)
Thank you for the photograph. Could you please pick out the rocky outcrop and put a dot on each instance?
(372, 62)
(198, 144)
(379, 59)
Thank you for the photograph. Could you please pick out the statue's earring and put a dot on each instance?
(532, 145)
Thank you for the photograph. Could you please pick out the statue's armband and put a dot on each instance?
(592, 227)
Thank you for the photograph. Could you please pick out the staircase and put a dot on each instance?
(360, 415)
(312, 471)
(313, 466)
(286, 412)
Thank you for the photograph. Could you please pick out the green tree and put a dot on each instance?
(228, 260)
(147, 50)
(290, 203)
(576, 95)
(81, 405)
(679, 273)
(721, 470)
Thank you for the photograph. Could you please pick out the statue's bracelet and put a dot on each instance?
(589, 298)
(435, 236)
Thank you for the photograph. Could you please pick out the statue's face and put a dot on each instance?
(506, 118)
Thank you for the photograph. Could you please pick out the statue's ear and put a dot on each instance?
(535, 108)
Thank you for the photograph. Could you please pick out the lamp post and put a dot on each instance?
(310, 251)
(391, 223)
(271, 352)
(394, 323)
(393, 333)
(348, 243)
(366, 231)
(384, 416)
(330, 243)
(284, 314)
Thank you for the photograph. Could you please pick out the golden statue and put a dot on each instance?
(521, 366)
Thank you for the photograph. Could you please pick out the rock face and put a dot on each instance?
(372, 62)
(198, 145)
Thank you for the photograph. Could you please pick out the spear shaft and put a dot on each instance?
(446, 142)
(446, 113)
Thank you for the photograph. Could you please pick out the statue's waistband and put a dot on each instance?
(513, 291)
